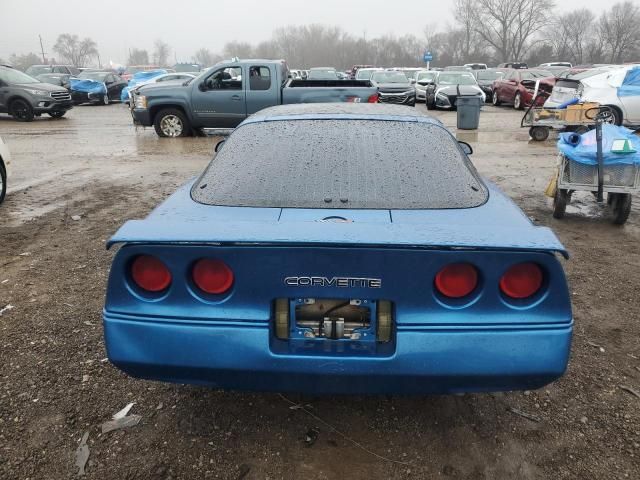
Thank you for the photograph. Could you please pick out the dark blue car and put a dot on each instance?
(339, 249)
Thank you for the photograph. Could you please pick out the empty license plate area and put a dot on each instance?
(360, 320)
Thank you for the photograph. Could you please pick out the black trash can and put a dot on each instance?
(468, 107)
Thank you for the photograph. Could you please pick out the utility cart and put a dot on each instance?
(573, 118)
(604, 161)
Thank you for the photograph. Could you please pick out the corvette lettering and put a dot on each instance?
(340, 282)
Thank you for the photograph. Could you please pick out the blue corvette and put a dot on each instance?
(339, 249)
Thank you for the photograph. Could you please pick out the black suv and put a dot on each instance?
(24, 97)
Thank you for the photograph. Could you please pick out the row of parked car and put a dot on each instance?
(55, 89)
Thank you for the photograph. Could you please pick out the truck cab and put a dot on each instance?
(224, 95)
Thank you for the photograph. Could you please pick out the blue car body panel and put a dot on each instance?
(484, 342)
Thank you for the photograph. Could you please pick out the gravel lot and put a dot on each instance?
(55, 382)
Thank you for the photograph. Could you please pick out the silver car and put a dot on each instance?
(422, 79)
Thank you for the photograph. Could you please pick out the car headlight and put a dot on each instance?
(141, 101)
(34, 91)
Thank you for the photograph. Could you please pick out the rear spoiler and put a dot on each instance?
(434, 236)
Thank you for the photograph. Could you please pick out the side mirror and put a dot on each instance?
(466, 148)
(218, 146)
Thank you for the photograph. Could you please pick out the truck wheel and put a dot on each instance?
(57, 114)
(539, 134)
(21, 111)
(621, 204)
(431, 105)
(517, 101)
(3, 181)
(560, 201)
(171, 123)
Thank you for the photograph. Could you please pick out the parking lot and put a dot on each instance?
(77, 179)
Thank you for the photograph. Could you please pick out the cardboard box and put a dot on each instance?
(576, 114)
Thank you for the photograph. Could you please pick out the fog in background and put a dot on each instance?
(187, 26)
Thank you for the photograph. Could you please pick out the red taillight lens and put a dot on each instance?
(457, 280)
(373, 98)
(150, 274)
(212, 276)
(521, 280)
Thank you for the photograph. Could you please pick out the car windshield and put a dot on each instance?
(341, 163)
(365, 73)
(488, 75)
(38, 70)
(95, 76)
(11, 76)
(323, 74)
(456, 79)
(531, 74)
(425, 76)
(389, 77)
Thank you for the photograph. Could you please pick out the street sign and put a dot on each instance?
(428, 57)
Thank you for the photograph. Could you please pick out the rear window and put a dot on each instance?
(340, 164)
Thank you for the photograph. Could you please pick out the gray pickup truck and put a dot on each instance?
(224, 95)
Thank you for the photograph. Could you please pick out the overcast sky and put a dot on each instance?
(188, 25)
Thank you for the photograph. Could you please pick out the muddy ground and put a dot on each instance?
(55, 382)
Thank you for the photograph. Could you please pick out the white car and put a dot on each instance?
(423, 78)
(5, 164)
(165, 77)
(617, 88)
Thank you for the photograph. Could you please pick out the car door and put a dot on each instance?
(262, 89)
(629, 95)
(218, 100)
(4, 91)
(510, 86)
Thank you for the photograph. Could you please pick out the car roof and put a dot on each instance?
(350, 111)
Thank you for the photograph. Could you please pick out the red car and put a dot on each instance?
(517, 87)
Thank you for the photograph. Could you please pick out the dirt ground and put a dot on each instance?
(55, 382)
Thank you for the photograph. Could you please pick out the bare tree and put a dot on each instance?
(75, 51)
(160, 53)
(237, 49)
(138, 57)
(205, 57)
(22, 62)
(619, 28)
(509, 26)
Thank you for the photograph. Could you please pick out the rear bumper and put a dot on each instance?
(239, 356)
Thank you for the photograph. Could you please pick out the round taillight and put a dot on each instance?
(457, 280)
(522, 280)
(150, 274)
(212, 276)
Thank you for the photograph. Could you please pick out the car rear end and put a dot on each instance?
(338, 320)
(334, 277)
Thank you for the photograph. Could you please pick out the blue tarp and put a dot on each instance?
(631, 84)
(139, 78)
(87, 86)
(585, 151)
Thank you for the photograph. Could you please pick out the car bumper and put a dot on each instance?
(141, 117)
(84, 97)
(397, 99)
(47, 104)
(243, 356)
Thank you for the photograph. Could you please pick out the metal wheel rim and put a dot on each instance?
(105, 99)
(516, 102)
(21, 110)
(171, 125)
(494, 98)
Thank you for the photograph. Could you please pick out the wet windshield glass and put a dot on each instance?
(337, 164)
(95, 76)
(38, 70)
(11, 76)
(456, 79)
(322, 74)
(489, 75)
(425, 76)
(389, 77)
(530, 74)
